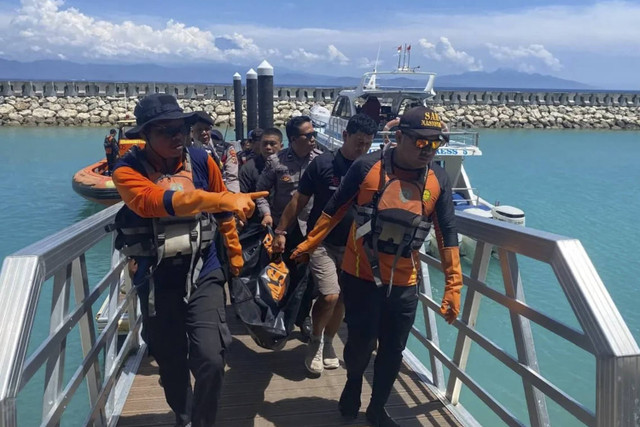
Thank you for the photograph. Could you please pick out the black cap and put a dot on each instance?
(421, 121)
(153, 108)
(215, 134)
(203, 116)
(255, 134)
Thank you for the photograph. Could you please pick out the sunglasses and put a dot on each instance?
(171, 131)
(309, 135)
(431, 144)
(423, 143)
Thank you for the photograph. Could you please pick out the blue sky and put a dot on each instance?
(595, 42)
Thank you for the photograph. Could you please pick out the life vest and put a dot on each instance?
(168, 237)
(108, 146)
(395, 221)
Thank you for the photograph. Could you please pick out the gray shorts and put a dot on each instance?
(325, 263)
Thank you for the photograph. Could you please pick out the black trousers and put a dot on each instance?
(373, 317)
(188, 337)
(111, 161)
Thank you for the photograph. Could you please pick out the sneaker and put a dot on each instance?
(329, 357)
(380, 418)
(313, 360)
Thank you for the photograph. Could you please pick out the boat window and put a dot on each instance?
(338, 106)
(342, 108)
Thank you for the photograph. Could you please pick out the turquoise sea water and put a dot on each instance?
(581, 184)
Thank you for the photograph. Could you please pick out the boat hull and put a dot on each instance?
(91, 183)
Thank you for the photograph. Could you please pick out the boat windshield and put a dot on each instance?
(391, 106)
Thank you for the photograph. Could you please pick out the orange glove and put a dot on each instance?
(323, 226)
(232, 242)
(450, 307)
(188, 203)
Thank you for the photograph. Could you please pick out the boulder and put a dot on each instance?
(42, 113)
(6, 109)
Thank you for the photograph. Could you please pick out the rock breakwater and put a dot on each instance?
(106, 111)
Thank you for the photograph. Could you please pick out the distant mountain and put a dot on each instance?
(506, 79)
(219, 73)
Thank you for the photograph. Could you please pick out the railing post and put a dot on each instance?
(523, 336)
(431, 330)
(54, 374)
(87, 330)
(111, 350)
(618, 391)
(469, 316)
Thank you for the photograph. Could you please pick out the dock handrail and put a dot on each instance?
(604, 333)
(61, 256)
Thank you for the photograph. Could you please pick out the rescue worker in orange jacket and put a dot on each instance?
(170, 192)
(398, 193)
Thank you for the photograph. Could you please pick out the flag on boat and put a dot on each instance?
(399, 49)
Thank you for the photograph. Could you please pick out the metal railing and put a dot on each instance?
(62, 257)
(604, 334)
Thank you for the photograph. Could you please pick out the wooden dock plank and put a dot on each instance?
(267, 388)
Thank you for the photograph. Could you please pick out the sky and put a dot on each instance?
(593, 42)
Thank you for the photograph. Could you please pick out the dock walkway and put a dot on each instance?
(272, 388)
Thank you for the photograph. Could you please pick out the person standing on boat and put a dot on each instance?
(281, 176)
(111, 150)
(169, 192)
(397, 194)
(320, 181)
(211, 140)
(270, 143)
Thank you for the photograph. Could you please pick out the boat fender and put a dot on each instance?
(508, 214)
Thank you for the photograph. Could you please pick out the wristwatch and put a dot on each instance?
(280, 232)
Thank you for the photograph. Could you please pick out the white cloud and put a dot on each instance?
(45, 26)
(574, 38)
(443, 50)
(521, 54)
(305, 58)
(336, 56)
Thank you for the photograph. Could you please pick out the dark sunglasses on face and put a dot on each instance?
(309, 135)
(424, 143)
(431, 144)
(171, 131)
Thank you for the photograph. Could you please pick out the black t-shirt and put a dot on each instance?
(321, 179)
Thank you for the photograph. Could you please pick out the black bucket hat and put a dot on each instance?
(156, 107)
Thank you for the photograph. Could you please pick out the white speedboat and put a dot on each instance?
(396, 91)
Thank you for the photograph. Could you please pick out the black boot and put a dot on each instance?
(378, 417)
(349, 403)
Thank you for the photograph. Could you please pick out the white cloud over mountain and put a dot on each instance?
(443, 50)
(520, 56)
(543, 39)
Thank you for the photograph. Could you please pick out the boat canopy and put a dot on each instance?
(407, 81)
